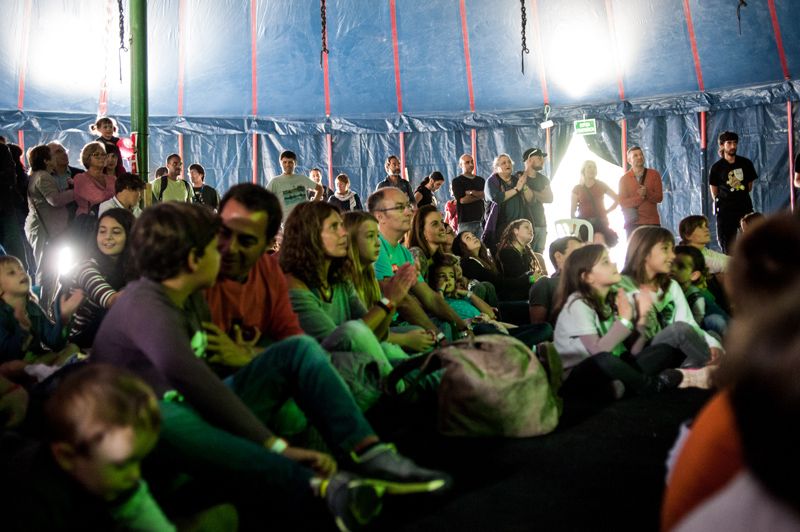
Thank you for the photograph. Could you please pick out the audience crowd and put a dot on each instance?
(207, 352)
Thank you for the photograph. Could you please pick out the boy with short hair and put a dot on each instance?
(215, 430)
(542, 292)
(292, 188)
(100, 423)
(689, 271)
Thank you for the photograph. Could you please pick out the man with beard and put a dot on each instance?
(730, 180)
(393, 178)
(537, 193)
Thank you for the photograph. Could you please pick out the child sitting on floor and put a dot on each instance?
(101, 423)
(694, 232)
(25, 330)
(445, 276)
(689, 271)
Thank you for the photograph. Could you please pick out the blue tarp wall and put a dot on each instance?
(236, 78)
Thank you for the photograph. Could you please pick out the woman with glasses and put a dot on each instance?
(94, 186)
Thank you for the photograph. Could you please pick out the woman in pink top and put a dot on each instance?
(94, 186)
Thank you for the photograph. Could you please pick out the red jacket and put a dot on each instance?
(647, 206)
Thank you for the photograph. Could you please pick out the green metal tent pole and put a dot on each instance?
(139, 103)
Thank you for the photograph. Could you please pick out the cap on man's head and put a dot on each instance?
(531, 152)
(725, 136)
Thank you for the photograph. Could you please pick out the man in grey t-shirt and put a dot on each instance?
(292, 188)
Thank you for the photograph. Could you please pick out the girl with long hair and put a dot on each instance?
(363, 251)
(426, 236)
(588, 199)
(314, 258)
(598, 331)
(515, 254)
(648, 264)
(425, 193)
(103, 276)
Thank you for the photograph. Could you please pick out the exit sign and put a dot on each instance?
(586, 127)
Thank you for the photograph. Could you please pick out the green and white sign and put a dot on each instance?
(586, 127)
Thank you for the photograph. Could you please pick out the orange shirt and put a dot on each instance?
(262, 301)
(709, 459)
(648, 206)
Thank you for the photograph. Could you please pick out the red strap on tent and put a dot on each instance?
(397, 85)
(687, 12)
(776, 27)
(467, 60)
(540, 54)
(181, 54)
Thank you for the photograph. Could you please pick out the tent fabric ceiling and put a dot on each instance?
(221, 71)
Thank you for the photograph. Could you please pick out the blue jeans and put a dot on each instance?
(296, 367)
(472, 227)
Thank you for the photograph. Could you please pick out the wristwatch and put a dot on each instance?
(386, 305)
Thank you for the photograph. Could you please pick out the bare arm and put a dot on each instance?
(545, 195)
(612, 195)
(573, 205)
(319, 193)
(714, 190)
(417, 197)
(411, 310)
(471, 196)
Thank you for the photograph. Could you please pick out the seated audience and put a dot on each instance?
(127, 194)
(101, 422)
(94, 186)
(689, 271)
(103, 275)
(763, 266)
(595, 325)
(515, 255)
(26, 332)
(363, 251)
(477, 263)
(391, 208)
(215, 431)
(323, 297)
(426, 236)
(749, 221)
(542, 293)
(694, 232)
(344, 198)
(648, 265)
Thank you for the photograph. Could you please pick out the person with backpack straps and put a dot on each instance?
(170, 187)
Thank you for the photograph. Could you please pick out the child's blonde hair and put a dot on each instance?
(10, 259)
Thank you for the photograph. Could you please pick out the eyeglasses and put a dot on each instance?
(400, 207)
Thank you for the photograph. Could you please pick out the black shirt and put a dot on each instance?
(731, 181)
(468, 212)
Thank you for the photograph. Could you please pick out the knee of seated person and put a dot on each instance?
(682, 328)
(300, 344)
(355, 328)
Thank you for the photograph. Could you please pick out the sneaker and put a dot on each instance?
(383, 466)
(696, 378)
(669, 379)
(352, 501)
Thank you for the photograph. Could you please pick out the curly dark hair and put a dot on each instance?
(302, 253)
(165, 234)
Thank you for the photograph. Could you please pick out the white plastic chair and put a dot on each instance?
(572, 227)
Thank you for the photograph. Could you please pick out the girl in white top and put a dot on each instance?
(598, 332)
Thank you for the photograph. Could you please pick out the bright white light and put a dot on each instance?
(66, 261)
(565, 179)
(583, 57)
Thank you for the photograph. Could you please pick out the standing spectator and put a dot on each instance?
(48, 215)
(292, 188)
(425, 193)
(105, 128)
(63, 173)
(468, 193)
(12, 236)
(537, 193)
(507, 195)
(344, 198)
(170, 186)
(639, 192)
(730, 180)
(203, 194)
(588, 199)
(393, 179)
(93, 186)
(316, 176)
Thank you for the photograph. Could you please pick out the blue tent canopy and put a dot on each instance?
(234, 82)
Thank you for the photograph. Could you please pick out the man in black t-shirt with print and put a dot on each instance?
(730, 180)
